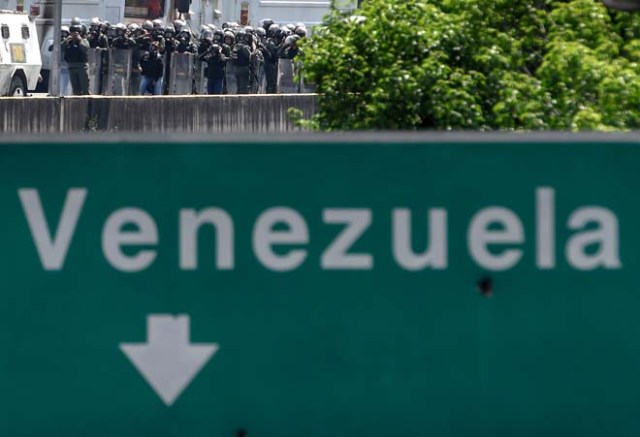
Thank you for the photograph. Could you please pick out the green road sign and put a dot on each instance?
(320, 289)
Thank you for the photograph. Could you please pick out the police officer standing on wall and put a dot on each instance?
(271, 56)
(241, 59)
(75, 48)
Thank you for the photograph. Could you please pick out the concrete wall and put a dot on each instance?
(166, 114)
(26, 115)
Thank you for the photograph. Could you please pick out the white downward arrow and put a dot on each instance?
(168, 361)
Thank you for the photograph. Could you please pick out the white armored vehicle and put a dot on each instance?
(20, 60)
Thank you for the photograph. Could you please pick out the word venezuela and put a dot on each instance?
(280, 236)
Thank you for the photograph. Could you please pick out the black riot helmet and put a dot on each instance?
(229, 38)
(206, 34)
(249, 32)
(112, 31)
(273, 30)
(267, 23)
(241, 36)
(178, 25)
(218, 36)
(169, 31)
(121, 29)
(291, 40)
(135, 29)
(95, 23)
(283, 34)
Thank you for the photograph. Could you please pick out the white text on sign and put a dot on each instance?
(494, 235)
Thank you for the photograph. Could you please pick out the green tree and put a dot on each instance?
(476, 64)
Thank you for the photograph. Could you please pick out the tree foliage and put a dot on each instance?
(476, 64)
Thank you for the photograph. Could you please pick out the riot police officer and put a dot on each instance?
(135, 33)
(271, 59)
(289, 49)
(170, 45)
(184, 44)
(241, 60)
(97, 39)
(206, 40)
(122, 41)
(216, 71)
(228, 41)
(253, 41)
(75, 49)
(261, 56)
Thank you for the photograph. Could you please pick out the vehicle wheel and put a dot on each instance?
(18, 88)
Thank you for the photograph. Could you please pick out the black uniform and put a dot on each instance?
(271, 65)
(216, 69)
(241, 58)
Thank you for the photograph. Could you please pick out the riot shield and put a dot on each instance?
(95, 70)
(134, 82)
(304, 86)
(181, 74)
(257, 74)
(104, 72)
(166, 65)
(199, 77)
(231, 85)
(119, 74)
(307, 87)
(65, 83)
(261, 87)
(286, 79)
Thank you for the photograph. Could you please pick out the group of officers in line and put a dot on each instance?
(155, 59)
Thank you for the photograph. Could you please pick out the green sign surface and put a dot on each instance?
(320, 289)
